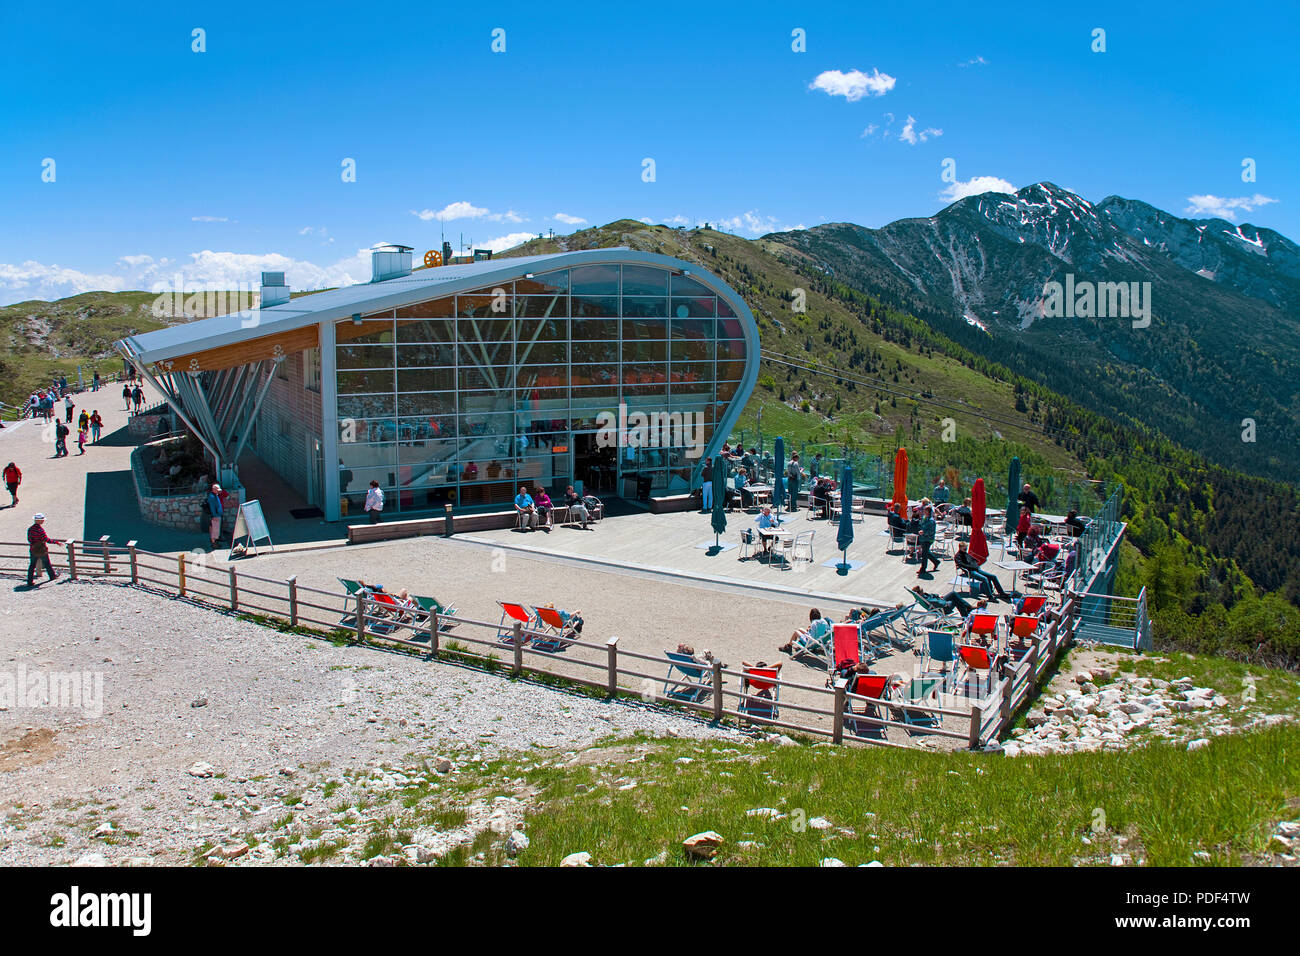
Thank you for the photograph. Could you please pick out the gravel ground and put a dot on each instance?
(275, 717)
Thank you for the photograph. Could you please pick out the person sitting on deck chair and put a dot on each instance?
(815, 635)
(952, 601)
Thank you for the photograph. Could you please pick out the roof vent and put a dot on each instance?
(274, 291)
(388, 260)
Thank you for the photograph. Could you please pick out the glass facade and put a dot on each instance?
(465, 398)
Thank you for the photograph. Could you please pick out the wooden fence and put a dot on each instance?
(826, 711)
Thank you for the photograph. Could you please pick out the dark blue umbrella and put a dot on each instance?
(778, 480)
(844, 537)
(1013, 489)
(719, 516)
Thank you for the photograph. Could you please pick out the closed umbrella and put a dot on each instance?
(719, 516)
(979, 546)
(1013, 505)
(900, 482)
(778, 479)
(844, 537)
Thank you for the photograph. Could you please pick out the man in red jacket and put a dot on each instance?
(13, 478)
(38, 544)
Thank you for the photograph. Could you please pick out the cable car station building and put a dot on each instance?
(613, 370)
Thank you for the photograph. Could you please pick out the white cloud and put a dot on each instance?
(976, 185)
(910, 136)
(977, 61)
(508, 241)
(871, 128)
(466, 210)
(209, 219)
(33, 280)
(750, 223)
(1222, 208)
(853, 85)
(569, 220)
(456, 210)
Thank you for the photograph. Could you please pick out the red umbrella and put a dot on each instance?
(900, 482)
(978, 547)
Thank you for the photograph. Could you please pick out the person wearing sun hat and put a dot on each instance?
(38, 546)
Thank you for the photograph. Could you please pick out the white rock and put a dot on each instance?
(576, 859)
(820, 823)
(703, 846)
(1116, 860)
(831, 861)
(92, 859)
(201, 769)
(517, 841)
(1198, 743)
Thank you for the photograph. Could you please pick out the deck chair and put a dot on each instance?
(1023, 626)
(881, 630)
(861, 723)
(556, 635)
(983, 624)
(509, 614)
(818, 645)
(917, 694)
(760, 690)
(1034, 605)
(694, 681)
(941, 649)
(446, 612)
(977, 661)
(384, 613)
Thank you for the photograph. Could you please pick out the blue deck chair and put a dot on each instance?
(695, 681)
(941, 649)
(818, 644)
(881, 629)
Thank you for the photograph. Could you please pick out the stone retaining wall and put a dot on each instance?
(180, 512)
(146, 426)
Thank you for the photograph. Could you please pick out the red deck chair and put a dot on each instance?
(861, 724)
(1024, 625)
(976, 659)
(760, 690)
(1034, 605)
(512, 612)
(556, 638)
(846, 650)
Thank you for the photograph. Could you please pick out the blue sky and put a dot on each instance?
(218, 164)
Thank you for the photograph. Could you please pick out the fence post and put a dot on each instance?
(1032, 659)
(108, 563)
(611, 679)
(135, 570)
(717, 689)
(361, 617)
(837, 719)
(72, 559)
(180, 574)
(518, 665)
(976, 725)
(1004, 718)
(293, 601)
(234, 590)
(434, 631)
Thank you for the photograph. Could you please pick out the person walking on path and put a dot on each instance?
(94, 383)
(38, 546)
(81, 440)
(83, 420)
(60, 440)
(214, 509)
(96, 426)
(68, 407)
(126, 396)
(374, 503)
(13, 478)
(137, 397)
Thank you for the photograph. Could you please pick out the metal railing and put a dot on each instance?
(1114, 619)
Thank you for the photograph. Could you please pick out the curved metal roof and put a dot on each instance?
(202, 334)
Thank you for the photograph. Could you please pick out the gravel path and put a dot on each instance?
(274, 716)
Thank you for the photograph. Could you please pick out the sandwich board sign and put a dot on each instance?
(250, 523)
